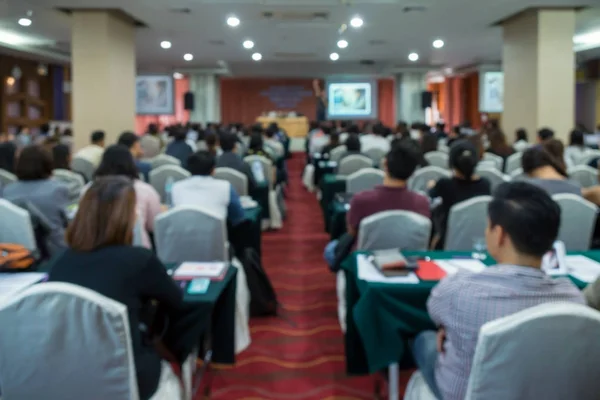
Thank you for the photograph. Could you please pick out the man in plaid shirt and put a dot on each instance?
(523, 224)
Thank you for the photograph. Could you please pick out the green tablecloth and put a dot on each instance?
(382, 317)
(253, 215)
(337, 221)
(260, 194)
(330, 185)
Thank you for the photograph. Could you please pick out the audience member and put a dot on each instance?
(521, 142)
(545, 134)
(178, 148)
(23, 137)
(133, 143)
(212, 144)
(557, 149)
(66, 138)
(61, 157)
(499, 145)
(523, 225)
(150, 142)
(454, 135)
(399, 164)
(592, 294)
(101, 257)
(334, 141)
(202, 190)
(230, 158)
(353, 146)
(8, 151)
(429, 142)
(50, 197)
(352, 129)
(375, 140)
(478, 143)
(256, 146)
(462, 186)
(546, 171)
(402, 131)
(440, 130)
(93, 152)
(319, 139)
(576, 149)
(272, 143)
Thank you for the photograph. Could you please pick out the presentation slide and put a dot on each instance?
(155, 95)
(352, 100)
(491, 92)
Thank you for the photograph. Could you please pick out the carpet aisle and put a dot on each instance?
(299, 355)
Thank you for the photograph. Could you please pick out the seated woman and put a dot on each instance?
(521, 142)
(50, 197)
(462, 186)
(499, 146)
(576, 149)
(334, 141)
(118, 161)
(353, 146)
(101, 257)
(256, 146)
(61, 156)
(547, 171)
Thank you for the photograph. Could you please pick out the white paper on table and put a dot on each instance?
(553, 262)
(247, 202)
(583, 268)
(368, 272)
(12, 283)
(200, 269)
(446, 266)
(465, 264)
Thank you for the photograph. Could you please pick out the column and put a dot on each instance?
(539, 71)
(104, 71)
(410, 87)
(207, 93)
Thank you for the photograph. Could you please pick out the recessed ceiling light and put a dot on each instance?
(165, 44)
(356, 22)
(413, 56)
(334, 56)
(438, 43)
(342, 44)
(188, 57)
(24, 21)
(257, 56)
(233, 21)
(178, 75)
(248, 44)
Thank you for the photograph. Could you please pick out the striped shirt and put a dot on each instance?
(464, 302)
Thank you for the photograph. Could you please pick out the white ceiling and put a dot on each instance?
(466, 26)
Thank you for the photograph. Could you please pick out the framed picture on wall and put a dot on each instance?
(155, 95)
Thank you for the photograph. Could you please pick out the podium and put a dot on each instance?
(295, 127)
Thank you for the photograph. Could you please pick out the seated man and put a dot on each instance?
(230, 158)
(399, 165)
(523, 223)
(202, 190)
(133, 143)
(94, 151)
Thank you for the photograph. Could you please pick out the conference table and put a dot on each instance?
(382, 317)
(294, 127)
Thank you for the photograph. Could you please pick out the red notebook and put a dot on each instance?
(430, 271)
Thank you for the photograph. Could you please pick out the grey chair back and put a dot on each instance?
(238, 180)
(267, 167)
(162, 160)
(443, 148)
(585, 175)
(190, 234)
(365, 179)
(590, 156)
(517, 174)
(16, 226)
(375, 154)
(73, 180)
(437, 159)
(77, 324)
(337, 153)
(84, 167)
(527, 350)
(513, 162)
(7, 178)
(577, 221)
(353, 163)
(158, 178)
(493, 175)
(394, 229)
(494, 159)
(150, 145)
(201, 145)
(467, 221)
(422, 176)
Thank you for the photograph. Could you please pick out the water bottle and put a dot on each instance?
(168, 191)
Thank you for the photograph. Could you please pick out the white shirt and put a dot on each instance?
(520, 145)
(371, 141)
(317, 142)
(205, 192)
(276, 146)
(575, 153)
(93, 153)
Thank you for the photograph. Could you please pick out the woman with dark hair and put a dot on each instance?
(100, 257)
(256, 146)
(463, 185)
(334, 141)
(429, 142)
(499, 146)
(576, 149)
(50, 197)
(546, 170)
(61, 157)
(521, 142)
(212, 144)
(118, 161)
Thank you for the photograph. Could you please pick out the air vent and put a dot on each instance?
(181, 10)
(295, 56)
(417, 8)
(217, 42)
(376, 42)
(367, 62)
(298, 16)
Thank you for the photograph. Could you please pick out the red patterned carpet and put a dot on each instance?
(300, 355)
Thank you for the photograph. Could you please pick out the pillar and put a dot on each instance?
(104, 71)
(409, 89)
(539, 71)
(207, 93)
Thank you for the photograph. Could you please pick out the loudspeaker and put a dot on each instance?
(426, 99)
(189, 102)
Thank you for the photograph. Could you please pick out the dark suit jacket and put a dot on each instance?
(234, 161)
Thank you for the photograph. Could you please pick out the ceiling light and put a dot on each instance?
(177, 75)
(334, 56)
(233, 21)
(165, 44)
(257, 56)
(413, 56)
(438, 43)
(12, 38)
(188, 57)
(589, 38)
(342, 44)
(10, 81)
(248, 44)
(356, 22)
(25, 22)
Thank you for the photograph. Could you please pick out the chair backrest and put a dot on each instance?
(353, 163)
(337, 153)
(375, 154)
(443, 148)
(158, 178)
(496, 160)
(16, 225)
(365, 179)
(422, 176)
(84, 167)
(164, 159)
(60, 323)
(201, 145)
(513, 162)
(190, 234)
(437, 159)
(238, 180)
(73, 180)
(584, 174)
(150, 146)
(590, 156)
(466, 223)
(266, 164)
(524, 355)
(493, 175)
(577, 221)
(7, 177)
(394, 229)
(517, 174)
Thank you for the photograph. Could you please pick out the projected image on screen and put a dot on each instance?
(350, 100)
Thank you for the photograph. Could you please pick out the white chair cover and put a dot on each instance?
(163, 159)
(16, 226)
(201, 145)
(466, 223)
(337, 153)
(493, 175)
(422, 176)
(84, 167)
(158, 178)
(353, 163)
(375, 154)
(74, 181)
(238, 180)
(517, 174)
(443, 148)
(496, 160)
(365, 179)
(584, 174)
(6, 178)
(276, 218)
(308, 177)
(577, 221)
(590, 156)
(513, 162)
(437, 159)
